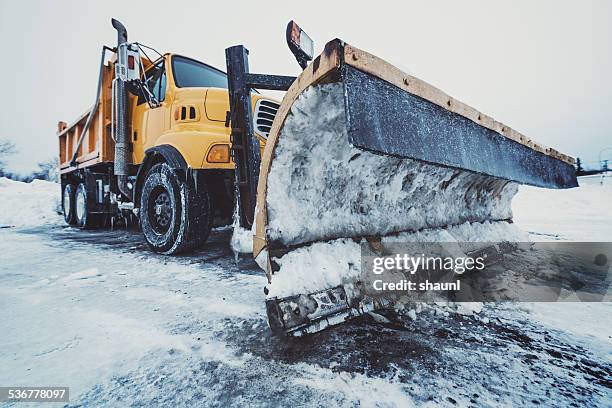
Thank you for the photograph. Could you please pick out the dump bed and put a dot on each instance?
(97, 146)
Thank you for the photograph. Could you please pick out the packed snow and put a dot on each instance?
(320, 187)
(242, 239)
(324, 265)
(322, 190)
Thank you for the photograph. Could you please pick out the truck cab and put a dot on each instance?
(190, 118)
(191, 114)
(187, 121)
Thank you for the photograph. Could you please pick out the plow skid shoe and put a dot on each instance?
(360, 150)
(304, 314)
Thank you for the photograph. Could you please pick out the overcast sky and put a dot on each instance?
(542, 67)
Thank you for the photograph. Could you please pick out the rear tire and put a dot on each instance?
(84, 218)
(68, 206)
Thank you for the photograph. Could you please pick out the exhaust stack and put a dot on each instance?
(122, 142)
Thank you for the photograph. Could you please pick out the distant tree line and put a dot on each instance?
(47, 170)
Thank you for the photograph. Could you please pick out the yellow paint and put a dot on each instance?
(192, 137)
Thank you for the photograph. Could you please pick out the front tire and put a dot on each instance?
(201, 216)
(163, 213)
(173, 217)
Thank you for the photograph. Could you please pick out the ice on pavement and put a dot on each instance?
(83, 313)
(160, 331)
(29, 204)
(157, 321)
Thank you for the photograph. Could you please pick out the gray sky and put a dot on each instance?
(542, 67)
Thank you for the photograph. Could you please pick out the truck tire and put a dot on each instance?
(164, 217)
(68, 206)
(174, 216)
(83, 215)
(201, 217)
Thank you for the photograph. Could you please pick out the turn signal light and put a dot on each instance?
(218, 154)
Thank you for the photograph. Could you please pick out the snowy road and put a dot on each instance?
(96, 311)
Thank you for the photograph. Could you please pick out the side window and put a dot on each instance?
(159, 87)
(156, 83)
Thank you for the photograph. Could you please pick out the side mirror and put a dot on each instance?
(300, 44)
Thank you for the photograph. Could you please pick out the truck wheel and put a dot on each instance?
(164, 214)
(201, 217)
(84, 218)
(68, 204)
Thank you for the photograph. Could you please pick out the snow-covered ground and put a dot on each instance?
(96, 311)
(582, 214)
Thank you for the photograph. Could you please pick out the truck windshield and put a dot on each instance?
(191, 73)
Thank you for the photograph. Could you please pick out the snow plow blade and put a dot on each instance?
(360, 151)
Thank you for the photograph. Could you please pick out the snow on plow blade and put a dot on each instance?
(360, 151)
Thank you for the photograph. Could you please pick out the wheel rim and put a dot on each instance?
(66, 203)
(160, 210)
(80, 206)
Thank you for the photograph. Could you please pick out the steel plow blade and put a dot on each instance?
(362, 151)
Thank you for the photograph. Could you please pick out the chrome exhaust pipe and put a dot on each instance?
(122, 141)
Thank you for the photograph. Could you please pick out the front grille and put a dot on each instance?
(265, 111)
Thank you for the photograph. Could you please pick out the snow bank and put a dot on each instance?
(29, 204)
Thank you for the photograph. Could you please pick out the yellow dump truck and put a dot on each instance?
(158, 147)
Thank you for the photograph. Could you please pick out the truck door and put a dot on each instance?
(149, 122)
